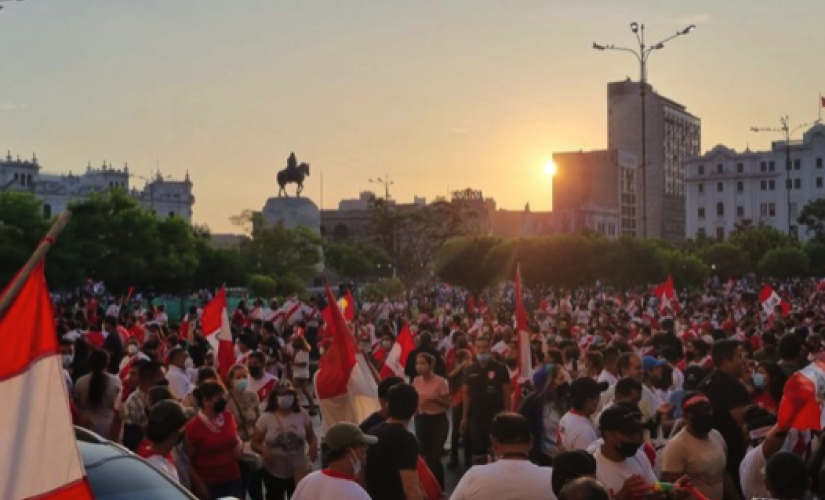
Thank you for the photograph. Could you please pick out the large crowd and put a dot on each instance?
(627, 396)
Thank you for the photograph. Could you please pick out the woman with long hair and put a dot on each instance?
(281, 436)
(96, 394)
(768, 380)
(245, 407)
(431, 420)
(300, 370)
(544, 408)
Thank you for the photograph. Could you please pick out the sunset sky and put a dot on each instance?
(437, 94)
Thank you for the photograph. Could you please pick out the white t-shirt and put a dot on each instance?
(606, 376)
(613, 474)
(301, 372)
(576, 431)
(505, 480)
(751, 476)
(323, 484)
(703, 460)
(179, 382)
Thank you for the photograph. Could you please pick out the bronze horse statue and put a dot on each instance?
(292, 174)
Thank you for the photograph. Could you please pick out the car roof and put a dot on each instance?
(95, 449)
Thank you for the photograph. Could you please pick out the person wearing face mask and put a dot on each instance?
(213, 445)
(179, 380)
(260, 382)
(347, 451)
(621, 464)
(699, 451)
(245, 407)
(768, 382)
(133, 354)
(385, 346)
(281, 435)
(164, 431)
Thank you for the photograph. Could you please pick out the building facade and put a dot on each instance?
(726, 188)
(167, 198)
(672, 136)
(596, 191)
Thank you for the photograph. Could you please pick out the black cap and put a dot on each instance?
(621, 419)
(586, 388)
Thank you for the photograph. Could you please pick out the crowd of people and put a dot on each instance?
(625, 397)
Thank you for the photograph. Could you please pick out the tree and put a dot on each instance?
(21, 227)
(757, 241)
(688, 271)
(463, 262)
(387, 287)
(813, 217)
(816, 255)
(354, 260)
(289, 256)
(262, 286)
(784, 263)
(725, 260)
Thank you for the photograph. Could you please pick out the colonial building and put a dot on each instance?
(596, 190)
(672, 136)
(726, 188)
(167, 198)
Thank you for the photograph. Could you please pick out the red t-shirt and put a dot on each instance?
(213, 453)
(765, 401)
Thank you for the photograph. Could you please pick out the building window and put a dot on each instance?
(772, 185)
(740, 186)
(701, 188)
(29, 180)
(47, 211)
(719, 168)
(772, 167)
(171, 215)
(719, 187)
(701, 170)
(767, 209)
(720, 234)
(701, 213)
(797, 164)
(740, 168)
(819, 182)
(720, 209)
(763, 166)
(797, 183)
(740, 211)
(819, 163)
(763, 185)
(16, 177)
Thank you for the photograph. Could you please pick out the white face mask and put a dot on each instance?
(285, 401)
(132, 349)
(356, 464)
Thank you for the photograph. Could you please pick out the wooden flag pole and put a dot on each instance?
(40, 252)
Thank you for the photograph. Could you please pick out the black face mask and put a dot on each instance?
(702, 424)
(219, 406)
(256, 371)
(629, 450)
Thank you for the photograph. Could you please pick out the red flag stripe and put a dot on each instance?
(338, 361)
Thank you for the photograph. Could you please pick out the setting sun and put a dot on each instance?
(550, 168)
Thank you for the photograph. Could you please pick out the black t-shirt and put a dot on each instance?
(396, 450)
(726, 393)
(486, 386)
(670, 340)
(371, 422)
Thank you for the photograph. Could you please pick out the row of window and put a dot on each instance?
(23, 179)
(765, 210)
(764, 185)
(765, 166)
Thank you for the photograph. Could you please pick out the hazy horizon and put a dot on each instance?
(438, 95)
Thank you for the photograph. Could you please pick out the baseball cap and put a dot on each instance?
(586, 388)
(345, 434)
(649, 363)
(693, 400)
(621, 419)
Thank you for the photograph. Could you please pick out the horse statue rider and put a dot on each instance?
(293, 173)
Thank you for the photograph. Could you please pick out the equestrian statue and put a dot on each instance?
(292, 174)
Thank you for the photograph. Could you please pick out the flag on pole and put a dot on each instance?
(770, 300)
(38, 451)
(523, 331)
(396, 361)
(666, 294)
(215, 326)
(347, 391)
(800, 408)
(347, 304)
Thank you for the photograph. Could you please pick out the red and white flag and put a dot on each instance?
(800, 408)
(770, 300)
(347, 391)
(38, 450)
(396, 361)
(666, 294)
(525, 364)
(347, 304)
(215, 326)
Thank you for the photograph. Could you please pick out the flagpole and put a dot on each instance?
(40, 252)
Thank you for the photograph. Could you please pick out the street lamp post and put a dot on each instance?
(787, 133)
(643, 54)
(386, 182)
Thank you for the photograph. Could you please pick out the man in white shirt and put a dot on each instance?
(178, 379)
(346, 453)
(575, 428)
(621, 464)
(512, 476)
(767, 439)
(610, 373)
(630, 365)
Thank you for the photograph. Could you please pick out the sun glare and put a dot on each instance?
(550, 168)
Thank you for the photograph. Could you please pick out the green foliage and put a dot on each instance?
(387, 287)
(757, 241)
(783, 263)
(262, 286)
(816, 255)
(688, 271)
(278, 252)
(464, 262)
(354, 260)
(813, 217)
(725, 260)
(21, 227)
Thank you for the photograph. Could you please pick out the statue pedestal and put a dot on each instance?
(291, 213)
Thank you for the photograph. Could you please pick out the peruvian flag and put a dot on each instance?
(215, 326)
(770, 299)
(38, 451)
(347, 391)
(799, 408)
(396, 360)
(525, 365)
(667, 296)
(347, 304)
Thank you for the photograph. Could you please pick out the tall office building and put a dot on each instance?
(672, 136)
